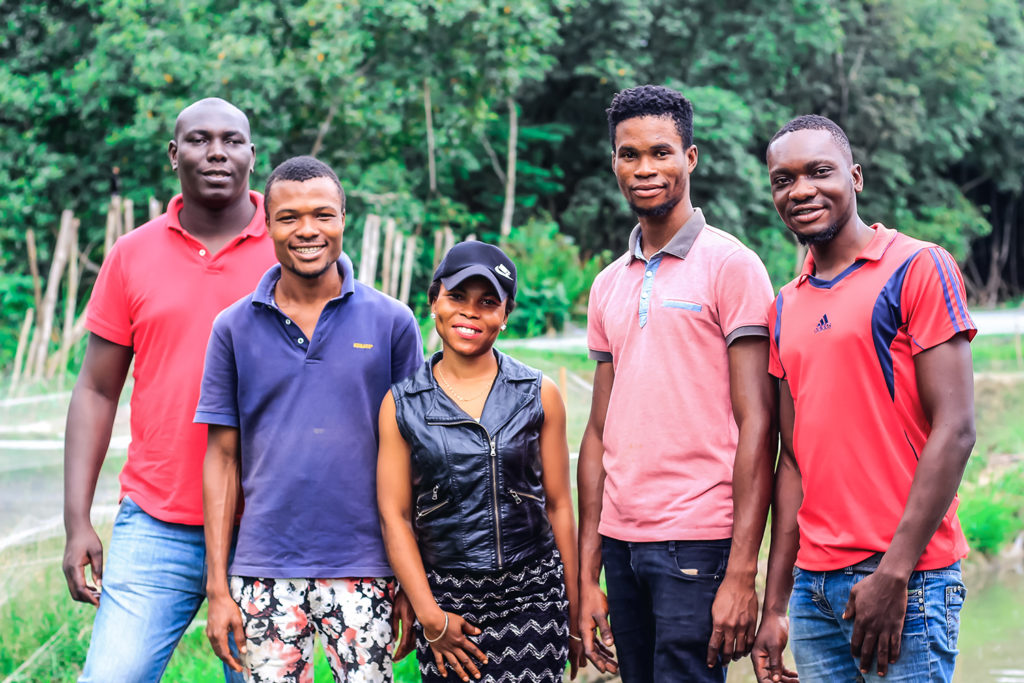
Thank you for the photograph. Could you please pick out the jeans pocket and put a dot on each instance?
(955, 595)
(700, 562)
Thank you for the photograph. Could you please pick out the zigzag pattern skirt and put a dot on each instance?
(523, 613)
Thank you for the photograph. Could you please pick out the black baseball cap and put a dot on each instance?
(468, 259)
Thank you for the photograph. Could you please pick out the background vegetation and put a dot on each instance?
(415, 104)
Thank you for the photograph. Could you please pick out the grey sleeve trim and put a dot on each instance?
(745, 331)
(602, 356)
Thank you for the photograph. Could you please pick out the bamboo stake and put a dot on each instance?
(113, 224)
(396, 266)
(449, 239)
(389, 246)
(33, 266)
(155, 208)
(438, 244)
(370, 249)
(59, 362)
(45, 327)
(19, 355)
(410, 253)
(129, 217)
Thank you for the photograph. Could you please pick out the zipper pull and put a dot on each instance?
(493, 451)
(515, 497)
(434, 496)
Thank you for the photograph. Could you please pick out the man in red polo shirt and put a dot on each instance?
(155, 300)
(871, 347)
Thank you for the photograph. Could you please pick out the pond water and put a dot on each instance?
(31, 494)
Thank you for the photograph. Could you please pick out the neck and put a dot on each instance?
(834, 256)
(657, 231)
(300, 291)
(468, 368)
(225, 221)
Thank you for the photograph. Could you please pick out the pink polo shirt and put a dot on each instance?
(158, 292)
(665, 325)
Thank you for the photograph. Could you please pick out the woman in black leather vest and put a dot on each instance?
(473, 491)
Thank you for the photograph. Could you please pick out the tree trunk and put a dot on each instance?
(428, 111)
(510, 170)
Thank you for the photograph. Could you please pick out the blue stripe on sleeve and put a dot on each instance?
(886, 318)
(778, 331)
(965, 317)
(945, 289)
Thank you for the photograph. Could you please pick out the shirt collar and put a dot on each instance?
(256, 227)
(874, 251)
(678, 246)
(264, 294)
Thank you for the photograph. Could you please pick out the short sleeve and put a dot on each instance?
(597, 339)
(775, 332)
(743, 294)
(109, 311)
(934, 300)
(218, 395)
(406, 351)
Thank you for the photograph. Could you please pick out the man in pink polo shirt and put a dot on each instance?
(871, 344)
(675, 467)
(155, 300)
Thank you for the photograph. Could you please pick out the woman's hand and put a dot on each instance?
(577, 658)
(453, 648)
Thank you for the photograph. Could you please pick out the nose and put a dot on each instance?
(307, 227)
(644, 168)
(216, 149)
(802, 189)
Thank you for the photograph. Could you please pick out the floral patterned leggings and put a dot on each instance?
(282, 616)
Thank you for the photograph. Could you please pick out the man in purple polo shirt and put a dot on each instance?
(295, 373)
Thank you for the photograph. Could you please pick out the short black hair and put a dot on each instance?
(652, 100)
(434, 291)
(301, 169)
(814, 122)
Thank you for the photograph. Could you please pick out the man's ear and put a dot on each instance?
(172, 154)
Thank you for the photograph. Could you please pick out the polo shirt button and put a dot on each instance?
(650, 273)
(300, 340)
(202, 252)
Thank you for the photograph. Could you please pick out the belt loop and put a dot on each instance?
(672, 547)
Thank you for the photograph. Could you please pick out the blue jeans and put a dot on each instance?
(153, 584)
(659, 601)
(820, 637)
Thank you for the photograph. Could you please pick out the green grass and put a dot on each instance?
(998, 353)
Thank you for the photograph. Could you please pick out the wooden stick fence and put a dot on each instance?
(33, 359)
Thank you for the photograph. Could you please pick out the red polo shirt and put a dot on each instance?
(158, 292)
(846, 346)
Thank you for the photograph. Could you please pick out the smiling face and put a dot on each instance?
(212, 153)
(652, 166)
(469, 316)
(306, 222)
(814, 184)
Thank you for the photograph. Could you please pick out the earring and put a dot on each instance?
(433, 316)
(503, 326)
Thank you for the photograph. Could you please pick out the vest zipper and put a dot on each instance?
(494, 488)
(423, 513)
(516, 496)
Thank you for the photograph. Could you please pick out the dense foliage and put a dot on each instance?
(928, 90)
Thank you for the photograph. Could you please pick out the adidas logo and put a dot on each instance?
(500, 269)
(823, 324)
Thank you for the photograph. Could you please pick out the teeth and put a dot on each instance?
(307, 250)
(466, 330)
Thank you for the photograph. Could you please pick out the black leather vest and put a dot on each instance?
(477, 488)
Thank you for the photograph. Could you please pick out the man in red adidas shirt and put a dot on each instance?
(871, 347)
(155, 299)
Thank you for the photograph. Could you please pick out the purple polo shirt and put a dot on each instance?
(307, 414)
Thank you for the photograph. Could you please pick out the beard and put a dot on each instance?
(659, 211)
(823, 237)
(311, 275)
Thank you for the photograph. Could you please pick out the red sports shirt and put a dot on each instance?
(846, 347)
(158, 292)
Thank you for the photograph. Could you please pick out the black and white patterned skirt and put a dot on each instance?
(522, 613)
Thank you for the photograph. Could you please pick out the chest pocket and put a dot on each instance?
(682, 304)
